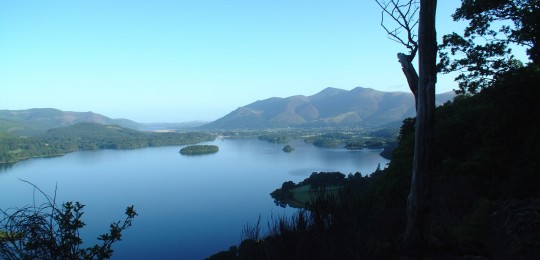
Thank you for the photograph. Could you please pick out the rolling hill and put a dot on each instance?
(38, 120)
(330, 107)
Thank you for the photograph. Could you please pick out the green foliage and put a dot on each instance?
(367, 142)
(284, 194)
(388, 132)
(318, 180)
(329, 139)
(199, 149)
(326, 142)
(288, 148)
(331, 228)
(274, 138)
(388, 150)
(317, 184)
(48, 231)
(485, 200)
(35, 121)
(483, 52)
(90, 136)
(352, 140)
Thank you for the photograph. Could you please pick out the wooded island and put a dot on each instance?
(199, 149)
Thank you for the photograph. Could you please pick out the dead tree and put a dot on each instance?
(403, 20)
(404, 16)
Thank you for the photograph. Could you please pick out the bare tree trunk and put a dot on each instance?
(410, 73)
(418, 202)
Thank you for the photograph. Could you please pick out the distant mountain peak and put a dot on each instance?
(362, 89)
(330, 107)
(330, 91)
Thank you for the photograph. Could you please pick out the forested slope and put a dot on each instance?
(89, 136)
(486, 201)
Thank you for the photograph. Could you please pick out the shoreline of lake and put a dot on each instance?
(180, 201)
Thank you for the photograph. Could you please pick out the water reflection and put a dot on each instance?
(189, 207)
(4, 167)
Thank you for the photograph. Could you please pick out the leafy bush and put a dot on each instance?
(49, 231)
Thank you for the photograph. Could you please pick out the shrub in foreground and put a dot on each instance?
(49, 231)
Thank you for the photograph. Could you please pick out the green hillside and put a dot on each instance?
(38, 120)
(89, 136)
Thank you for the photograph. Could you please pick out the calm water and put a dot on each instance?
(189, 206)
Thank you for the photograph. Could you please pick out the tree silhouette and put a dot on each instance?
(484, 50)
(403, 20)
(404, 15)
(49, 231)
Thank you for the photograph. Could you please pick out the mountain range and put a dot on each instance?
(363, 107)
(360, 107)
(38, 120)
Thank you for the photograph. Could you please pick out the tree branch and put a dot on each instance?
(404, 17)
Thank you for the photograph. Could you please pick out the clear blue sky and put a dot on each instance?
(176, 60)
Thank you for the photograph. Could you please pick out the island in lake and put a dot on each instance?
(288, 148)
(199, 149)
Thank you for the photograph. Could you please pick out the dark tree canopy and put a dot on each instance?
(484, 50)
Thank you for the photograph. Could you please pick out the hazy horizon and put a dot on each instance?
(168, 61)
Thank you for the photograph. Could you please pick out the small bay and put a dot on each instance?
(189, 206)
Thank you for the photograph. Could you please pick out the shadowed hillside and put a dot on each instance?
(330, 107)
(485, 200)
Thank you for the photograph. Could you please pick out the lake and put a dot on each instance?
(189, 206)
